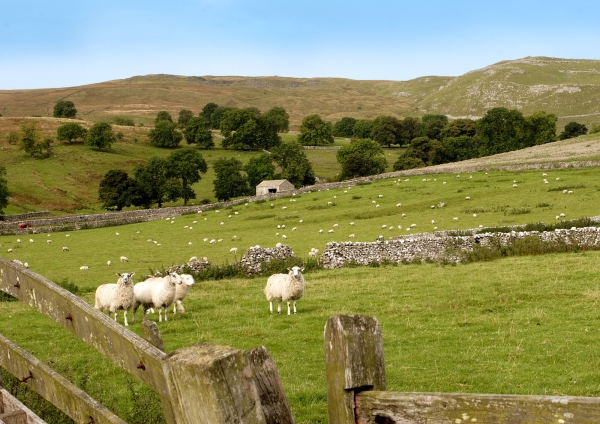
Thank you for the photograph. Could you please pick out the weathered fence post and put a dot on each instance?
(354, 362)
(152, 334)
(212, 384)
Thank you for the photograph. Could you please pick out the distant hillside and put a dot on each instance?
(568, 88)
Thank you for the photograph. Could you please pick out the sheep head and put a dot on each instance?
(174, 278)
(126, 277)
(296, 271)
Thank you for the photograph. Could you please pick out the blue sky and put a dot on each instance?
(68, 43)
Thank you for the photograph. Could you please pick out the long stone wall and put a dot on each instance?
(441, 246)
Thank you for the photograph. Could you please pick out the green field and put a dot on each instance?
(525, 325)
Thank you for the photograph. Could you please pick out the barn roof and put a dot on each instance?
(271, 183)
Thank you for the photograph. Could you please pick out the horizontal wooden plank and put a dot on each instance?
(10, 403)
(460, 408)
(52, 386)
(123, 347)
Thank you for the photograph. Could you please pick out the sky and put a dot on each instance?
(51, 44)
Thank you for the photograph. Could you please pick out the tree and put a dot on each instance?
(164, 134)
(163, 115)
(460, 148)
(408, 162)
(539, 128)
(186, 165)
(410, 128)
(64, 109)
(458, 128)
(151, 181)
(573, 129)
(4, 193)
(248, 129)
(229, 182)
(70, 132)
(386, 130)
(433, 124)
(500, 130)
(126, 122)
(344, 127)
(197, 131)
(31, 141)
(314, 131)
(208, 110)
(362, 129)
(100, 135)
(185, 116)
(361, 158)
(279, 118)
(217, 116)
(259, 168)
(116, 190)
(295, 166)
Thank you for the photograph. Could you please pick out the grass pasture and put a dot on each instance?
(524, 325)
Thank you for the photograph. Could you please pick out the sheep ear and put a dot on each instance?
(302, 269)
(119, 274)
(289, 269)
(132, 274)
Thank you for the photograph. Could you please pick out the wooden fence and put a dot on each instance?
(203, 383)
(356, 389)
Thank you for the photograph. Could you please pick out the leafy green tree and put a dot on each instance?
(64, 109)
(163, 115)
(126, 122)
(363, 128)
(116, 190)
(186, 165)
(259, 168)
(294, 164)
(315, 132)
(4, 193)
(429, 151)
(433, 124)
(100, 135)
(164, 134)
(410, 128)
(184, 117)
(70, 132)
(344, 127)
(12, 137)
(31, 141)
(151, 181)
(573, 129)
(248, 129)
(208, 110)
(279, 118)
(539, 128)
(197, 131)
(386, 130)
(460, 148)
(229, 181)
(500, 130)
(459, 127)
(361, 158)
(405, 162)
(217, 116)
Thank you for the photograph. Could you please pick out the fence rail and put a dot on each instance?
(203, 383)
(356, 389)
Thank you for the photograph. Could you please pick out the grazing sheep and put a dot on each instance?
(64, 249)
(221, 223)
(26, 265)
(285, 288)
(352, 223)
(468, 198)
(49, 241)
(113, 297)
(455, 218)
(373, 201)
(329, 203)
(330, 231)
(30, 240)
(9, 250)
(284, 236)
(515, 186)
(108, 263)
(213, 241)
(284, 207)
(124, 259)
(321, 231)
(351, 236)
(155, 292)
(380, 196)
(278, 245)
(383, 227)
(18, 240)
(193, 259)
(294, 228)
(233, 250)
(181, 292)
(474, 215)
(18, 262)
(544, 174)
(84, 267)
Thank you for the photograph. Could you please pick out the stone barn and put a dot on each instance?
(273, 186)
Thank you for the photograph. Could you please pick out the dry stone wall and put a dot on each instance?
(440, 246)
(256, 255)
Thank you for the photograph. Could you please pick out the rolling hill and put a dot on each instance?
(567, 87)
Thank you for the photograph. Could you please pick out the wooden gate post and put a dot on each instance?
(353, 361)
(212, 384)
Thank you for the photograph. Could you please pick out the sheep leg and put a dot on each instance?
(133, 311)
(289, 307)
(294, 306)
(279, 306)
(144, 315)
(125, 318)
(271, 307)
(165, 309)
(115, 315)
(180, 306)
(160, 309)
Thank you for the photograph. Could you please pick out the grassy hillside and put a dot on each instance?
(517, 325)
(567, 87)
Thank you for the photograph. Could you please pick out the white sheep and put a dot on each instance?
(155, 292)
(285, 288)
(181, 292)
(193, 259)
(352, 223)
(124, 259)
(64, 249)
(351, 236)
(9, 250)
(49, 241)
(113, 297)
(108, 263)
(84, 267)
(30, 240)
(233, 250)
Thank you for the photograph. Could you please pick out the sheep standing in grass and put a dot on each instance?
(113, 297)
(285, 288)
(181, 292)
(155, 292)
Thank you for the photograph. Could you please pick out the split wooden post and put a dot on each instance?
(354, 362)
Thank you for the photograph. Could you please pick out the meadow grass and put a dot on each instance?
(522, 325)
